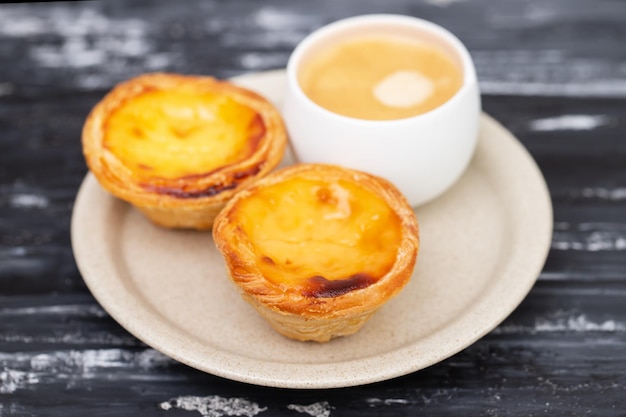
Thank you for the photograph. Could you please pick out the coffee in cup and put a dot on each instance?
(382, 77)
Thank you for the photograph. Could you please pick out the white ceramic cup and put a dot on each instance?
(422, 155)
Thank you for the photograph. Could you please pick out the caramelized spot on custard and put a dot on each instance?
(337, 230)
(137, 132)
(320, 287)
(239, 175)
(324, 195)
(181, 133)
(182, 192)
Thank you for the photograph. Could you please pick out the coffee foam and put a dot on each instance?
(403, 89)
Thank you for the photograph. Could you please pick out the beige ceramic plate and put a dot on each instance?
(483, 245)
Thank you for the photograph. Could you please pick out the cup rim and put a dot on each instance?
(469, 72)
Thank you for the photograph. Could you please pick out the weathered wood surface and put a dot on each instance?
(552, 71)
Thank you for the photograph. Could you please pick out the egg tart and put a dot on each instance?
(178, 147)
(317, 249)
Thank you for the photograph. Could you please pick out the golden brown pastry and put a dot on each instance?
(317, 249)
(178, 147)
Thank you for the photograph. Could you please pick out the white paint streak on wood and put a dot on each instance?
(17, 251)
(391, 401)
(442, 3)
(20, 370)
(28, 201)
(102, 338)
(590, 226)
(88, 361)
(214, 406)
(262, 60)
(375, 402)
(275, 29)
(590, 276)
(151, 358)
(518, 57)
(82, 363)
(611, 194)
(277, 39)
(83, 39)
(556, 276)
(319, 409)
(563, 322)
(548, 72)
(569, 122)
(65, 310)
(615, 88)
(589, 236)
(20, 25)
(11, 380)
(579, 324)
(592, 242)
(112, 40)
(525, 17)
(273, 18)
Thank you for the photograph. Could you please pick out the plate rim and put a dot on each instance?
(309, 376)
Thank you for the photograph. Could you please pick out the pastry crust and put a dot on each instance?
(297, 311)
(191, 200)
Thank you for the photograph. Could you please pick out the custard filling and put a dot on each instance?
(325, 238)
(178, 134)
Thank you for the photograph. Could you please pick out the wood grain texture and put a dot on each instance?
(552, 71)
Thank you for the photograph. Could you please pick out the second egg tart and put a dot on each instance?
(178, 147)
(317, 249)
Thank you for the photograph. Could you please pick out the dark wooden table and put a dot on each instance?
(552, 71)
